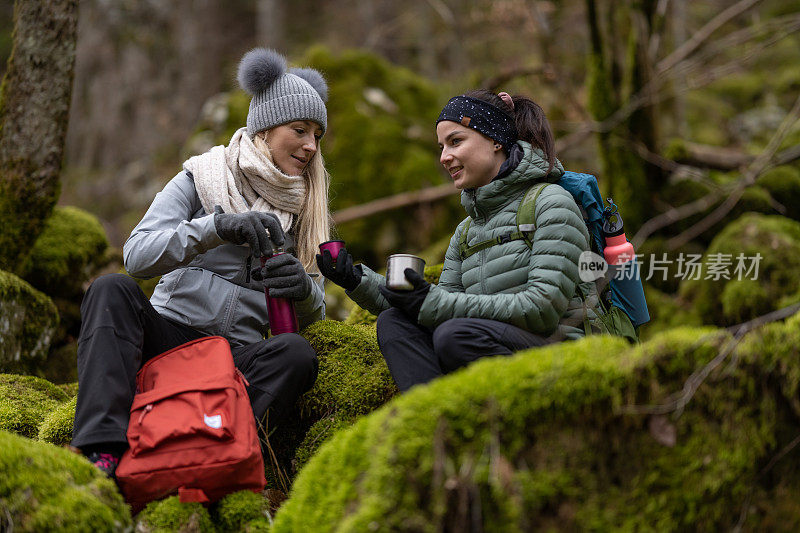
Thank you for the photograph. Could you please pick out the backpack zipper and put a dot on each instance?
(147, 409)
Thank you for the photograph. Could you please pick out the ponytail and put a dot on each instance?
(529, 119)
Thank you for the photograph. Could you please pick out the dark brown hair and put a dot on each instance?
(531, 123)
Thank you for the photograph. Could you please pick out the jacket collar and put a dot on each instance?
(524, 167)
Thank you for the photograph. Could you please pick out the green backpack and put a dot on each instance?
(611, 319)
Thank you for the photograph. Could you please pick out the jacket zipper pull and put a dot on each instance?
(147, 409)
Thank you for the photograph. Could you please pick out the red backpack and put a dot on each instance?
(192, 429)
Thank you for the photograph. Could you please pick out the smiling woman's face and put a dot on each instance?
(293, 145)
(471, 159)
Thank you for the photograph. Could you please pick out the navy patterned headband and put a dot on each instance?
(482, 117)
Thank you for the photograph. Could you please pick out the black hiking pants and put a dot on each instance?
(120, 331)
(416, 355)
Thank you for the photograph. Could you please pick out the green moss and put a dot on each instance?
(28, 320)
(666, 312)
(71, 389)
(353, 379)
(676, 150)
(69, 250)
(168, 515)
(236, 510)
(45, 488)
(25, 401)
(56, 428)
(777, 240)
(556, 438)
(359, 316)
(744, 299)
(783, 184)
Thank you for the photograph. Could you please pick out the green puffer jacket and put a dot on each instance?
(537, 288)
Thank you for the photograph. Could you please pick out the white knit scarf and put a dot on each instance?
(240, 178)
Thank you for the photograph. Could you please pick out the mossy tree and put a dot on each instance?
(618, 69)
(34, 109)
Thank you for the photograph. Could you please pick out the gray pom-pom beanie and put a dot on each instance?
(280, 96)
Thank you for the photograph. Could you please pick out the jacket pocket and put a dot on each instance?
(185, 420)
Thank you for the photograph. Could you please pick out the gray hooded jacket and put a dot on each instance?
(205, 281)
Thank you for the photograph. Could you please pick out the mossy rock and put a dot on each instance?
(783, 184)
(28, 321)
(241, 511)
(169, 514)
(564, 437)
(25, 401)
(70, 249)
(777, 240)
(46, 488)
(56, 428)
(667, 312)
(353, 380)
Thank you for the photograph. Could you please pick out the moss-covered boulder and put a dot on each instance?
(25, 401)
(730, 301)
(69, 250)
(169, 514)
(28, 321)
(353, 380)
(783, 185)
(46, 488)
(590, 435)
(667, 312)
(56, 428)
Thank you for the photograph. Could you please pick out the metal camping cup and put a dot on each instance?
(333, 247)
(282, 316)
(396, 267)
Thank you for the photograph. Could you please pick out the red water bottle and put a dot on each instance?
(282, 316)
(617, 249)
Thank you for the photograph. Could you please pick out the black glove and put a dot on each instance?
(409, 302)
(250, 228)
(342, 273)
(285, 277)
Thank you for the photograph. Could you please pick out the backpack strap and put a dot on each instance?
(462, 240)
(526, 225)
(526, 213)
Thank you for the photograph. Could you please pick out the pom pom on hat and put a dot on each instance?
(278, 96)
(259, 68)
(314, 79)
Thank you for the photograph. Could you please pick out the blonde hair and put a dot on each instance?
(313, 223)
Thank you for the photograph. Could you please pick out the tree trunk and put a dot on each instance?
(34, 110)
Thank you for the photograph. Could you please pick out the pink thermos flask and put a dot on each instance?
(617, 250)
(282, 316)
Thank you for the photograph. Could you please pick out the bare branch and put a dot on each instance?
(397, 201)
(753, 171)
(703, 34)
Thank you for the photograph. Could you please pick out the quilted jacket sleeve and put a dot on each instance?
(366, 294)
(559, 239)
(168, 237)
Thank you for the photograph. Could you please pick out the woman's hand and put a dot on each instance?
(250, 228)
(284, 277)
(409, 302)
(342, 272)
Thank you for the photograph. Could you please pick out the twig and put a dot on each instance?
(677, 402)
(780, 455)
(283, 479)
(753, 171)
(703, 34)
(757, 322)
(394, 202)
